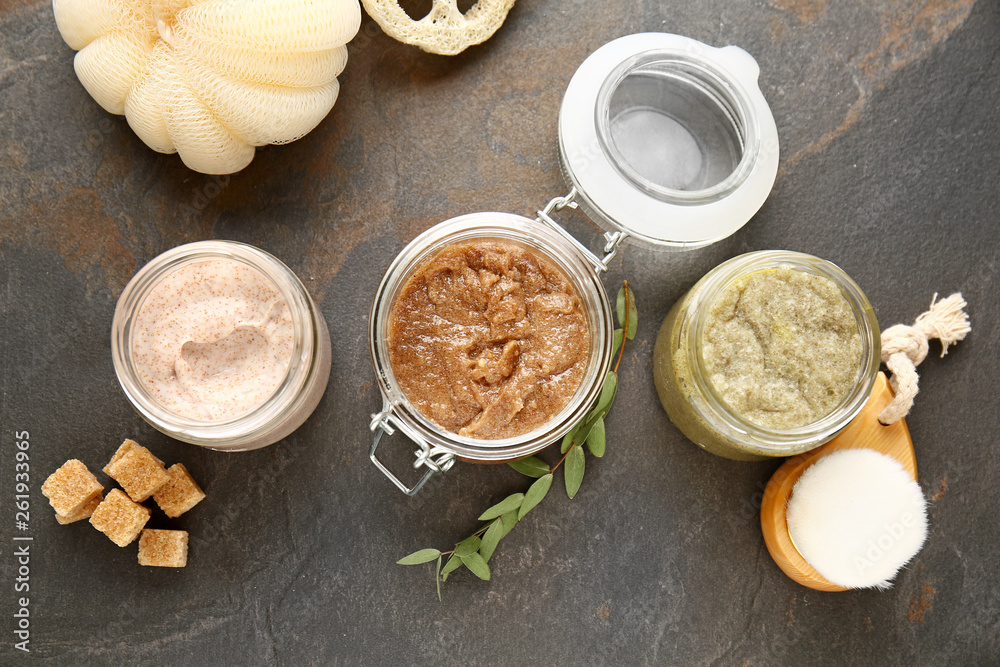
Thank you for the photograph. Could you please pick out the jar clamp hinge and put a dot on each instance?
(435, 459)
(611, 239)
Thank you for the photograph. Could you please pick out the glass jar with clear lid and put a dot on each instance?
(696, 406)
(297, 390)
(663, 140)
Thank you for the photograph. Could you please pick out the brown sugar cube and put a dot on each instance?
(180, 493)
(163, 548)
(127, 447)
(70, 488)
(84, 512)
(137, 470)
(119, 518)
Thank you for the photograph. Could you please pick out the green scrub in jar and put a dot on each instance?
(770, 354)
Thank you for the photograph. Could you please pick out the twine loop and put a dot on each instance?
(907, 340)
(904, 347)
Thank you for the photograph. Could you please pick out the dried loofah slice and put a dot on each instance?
(211, 79)
(445, 30)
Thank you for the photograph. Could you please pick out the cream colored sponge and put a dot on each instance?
(445, 30)
(211, 79)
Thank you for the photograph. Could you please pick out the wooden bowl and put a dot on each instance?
(864, 432)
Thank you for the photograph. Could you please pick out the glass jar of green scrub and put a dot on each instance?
(770, 354)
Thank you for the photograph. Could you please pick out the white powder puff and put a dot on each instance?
(857, 517)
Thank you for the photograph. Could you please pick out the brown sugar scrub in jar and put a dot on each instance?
(769, 354)
(488, 339)
(490, 336)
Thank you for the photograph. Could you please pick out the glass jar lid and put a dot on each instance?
(668, 140)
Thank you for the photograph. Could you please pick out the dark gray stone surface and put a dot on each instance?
(887, 112)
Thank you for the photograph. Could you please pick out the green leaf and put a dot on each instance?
(573, 472)
(453, 564)
(588, 424)
(616, 342)
(491, 539)
(531, 466)
(579, 432)
(467, 546)
(633, 313)
(595, 441)
(570, 437)
(535, 495)
(608, 391)
(627, 311)
(478, 566)
(437, 578)
(509, 503)
(418, 557)
(509, 520)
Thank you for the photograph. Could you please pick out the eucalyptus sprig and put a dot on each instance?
(475, 551)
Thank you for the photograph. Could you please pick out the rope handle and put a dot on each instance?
(904, 347)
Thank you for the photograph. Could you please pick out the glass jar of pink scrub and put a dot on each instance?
(219, 344)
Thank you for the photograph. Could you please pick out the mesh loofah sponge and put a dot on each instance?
(211, 79)
(445, 30)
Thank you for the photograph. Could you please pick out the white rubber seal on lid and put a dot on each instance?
(668, 139)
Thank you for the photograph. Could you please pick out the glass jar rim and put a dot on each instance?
(709, 75)
(227, 433)
(541, 239)
(672, 220)
(780, 440)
